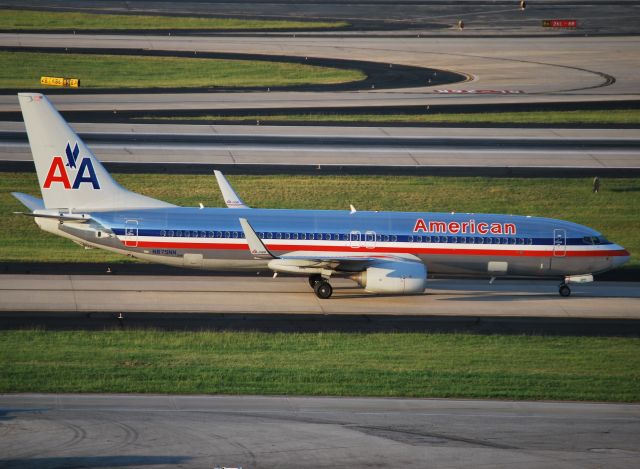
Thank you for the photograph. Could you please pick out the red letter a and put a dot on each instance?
(57, 174)
(420, 226)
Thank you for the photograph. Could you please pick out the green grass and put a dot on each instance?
(340, 364)
(20, 70)
(615, 211)
(28, 19)
(606, 117)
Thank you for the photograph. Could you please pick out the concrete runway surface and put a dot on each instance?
(313, 146)
(292, 295)
(64, 431)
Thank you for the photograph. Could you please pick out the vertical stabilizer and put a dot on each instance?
(70, 176)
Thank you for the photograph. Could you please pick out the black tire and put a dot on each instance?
(564, 290)
(323, 290)
(313, 279)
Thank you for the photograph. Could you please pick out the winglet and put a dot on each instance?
(256, 246)
(228, 194)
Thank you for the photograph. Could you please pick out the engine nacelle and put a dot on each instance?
(393, 277)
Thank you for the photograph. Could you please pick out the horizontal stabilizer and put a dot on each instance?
(75, 217)
(29, 201)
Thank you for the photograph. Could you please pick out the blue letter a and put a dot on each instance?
(85, 164)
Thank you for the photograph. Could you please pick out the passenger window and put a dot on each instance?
(170, 233)
(385, 237)
(163, 233)
(278, 235)
(303, 235)
(529, 241)
(411, 239)
(179, 233)
(394, 238)
(294, 235)
(287, 236)
(235, 234)
(512, 240)
(436, 239)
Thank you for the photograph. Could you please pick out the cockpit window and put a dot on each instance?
(595, 240)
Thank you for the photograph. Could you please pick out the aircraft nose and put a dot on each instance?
(621, 258)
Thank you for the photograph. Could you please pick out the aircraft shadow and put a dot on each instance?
(313, 323)
(93, 461)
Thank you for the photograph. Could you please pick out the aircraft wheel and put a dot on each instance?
(564, 290)
(323, 290)
(313, 279)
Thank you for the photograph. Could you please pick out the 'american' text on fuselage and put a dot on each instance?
(465, 227)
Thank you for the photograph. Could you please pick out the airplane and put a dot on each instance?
(384, 252)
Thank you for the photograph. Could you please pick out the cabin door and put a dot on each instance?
(131, 233)
(370, 240)
(559, 243)
(354, 239)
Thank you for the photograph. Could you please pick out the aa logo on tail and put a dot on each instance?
(58, 172)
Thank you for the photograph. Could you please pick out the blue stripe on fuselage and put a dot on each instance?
(214, 223)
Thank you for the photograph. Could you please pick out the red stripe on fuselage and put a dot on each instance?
(400, 250)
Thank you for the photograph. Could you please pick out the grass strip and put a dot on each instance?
(11, 19)
(615, 210)
(336, 364)
(594, 117)
(22, 70)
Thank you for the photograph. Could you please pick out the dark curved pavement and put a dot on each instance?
(106, 430)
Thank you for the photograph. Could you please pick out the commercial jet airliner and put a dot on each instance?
(384, 252)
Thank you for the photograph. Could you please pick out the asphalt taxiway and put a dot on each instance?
(292, 295)
(536, 69)
(58, 430)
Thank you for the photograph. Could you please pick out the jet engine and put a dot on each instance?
(393, 277)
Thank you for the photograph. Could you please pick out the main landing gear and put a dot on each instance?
(564, 290)
(320, 286)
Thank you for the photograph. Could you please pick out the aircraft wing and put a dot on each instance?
(302, 262)
(230, 197)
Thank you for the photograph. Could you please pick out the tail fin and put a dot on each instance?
(70, 176)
